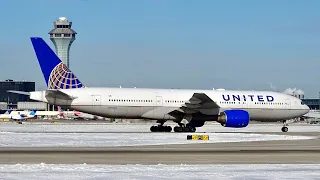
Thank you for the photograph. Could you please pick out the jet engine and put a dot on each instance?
(234, 118)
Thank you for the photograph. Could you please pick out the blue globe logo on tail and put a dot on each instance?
(62, 78)
(56, 74)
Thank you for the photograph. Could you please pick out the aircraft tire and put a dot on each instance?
(160, 129)
(284, 129)
(153, 128)
(184, 129)
(190, 129)
(168, 129)
(178, 129)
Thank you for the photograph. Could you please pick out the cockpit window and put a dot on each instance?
(302, 103)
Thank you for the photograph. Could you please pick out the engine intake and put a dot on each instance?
(234, 118)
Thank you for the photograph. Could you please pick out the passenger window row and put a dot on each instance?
(271, 103)
(173, 101)
(128, 100)
(223, 102)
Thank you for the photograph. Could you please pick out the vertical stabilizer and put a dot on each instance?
(56, 74)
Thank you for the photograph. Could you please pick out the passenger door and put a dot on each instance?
(96, 100)
(158, 108)
(245, 104)
(287, 104)
(159, 101)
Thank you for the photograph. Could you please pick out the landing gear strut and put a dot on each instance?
(160, 127)
(184, 128)
(284, 128)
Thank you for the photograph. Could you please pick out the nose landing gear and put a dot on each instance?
(284, 128)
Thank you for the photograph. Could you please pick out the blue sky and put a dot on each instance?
(194, 44)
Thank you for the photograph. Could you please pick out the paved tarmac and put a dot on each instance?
(262, 152)
(284, 152)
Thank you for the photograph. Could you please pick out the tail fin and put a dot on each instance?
(56, 74)
(32, 113)
(59, 109)
(77, 113)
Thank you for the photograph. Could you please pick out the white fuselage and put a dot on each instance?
(158, 103)
(16, 116)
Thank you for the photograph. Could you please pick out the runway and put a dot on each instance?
(273, 147)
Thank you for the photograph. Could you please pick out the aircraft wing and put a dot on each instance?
(198, 103)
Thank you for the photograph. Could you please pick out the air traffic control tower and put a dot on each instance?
(62, 37)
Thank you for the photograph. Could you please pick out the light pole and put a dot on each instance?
(319, 102)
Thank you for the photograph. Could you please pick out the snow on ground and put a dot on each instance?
(103, 134)
(11, 139)
(159, 172)
(110, 127)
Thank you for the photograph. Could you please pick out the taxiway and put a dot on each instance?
(283, 150)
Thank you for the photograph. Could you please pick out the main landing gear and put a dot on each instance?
(284, 128)
(184, 128)
(160, 127)
(180, 128)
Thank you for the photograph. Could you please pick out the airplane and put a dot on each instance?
(230, 108)
(6, 115)
(75, 114)
(19, 116)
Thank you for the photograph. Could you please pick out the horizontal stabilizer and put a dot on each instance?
(19, 92)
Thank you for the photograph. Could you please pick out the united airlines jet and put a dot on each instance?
(229, 108)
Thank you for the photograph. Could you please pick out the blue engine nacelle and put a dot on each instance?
(234, 118)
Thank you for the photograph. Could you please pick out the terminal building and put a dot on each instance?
(314, 104)
(10, 100)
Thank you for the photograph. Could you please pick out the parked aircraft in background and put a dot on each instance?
(47, 113)
(75, 114)
(230, 108)
(313, 117)
(19, 116)
(312, 114)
